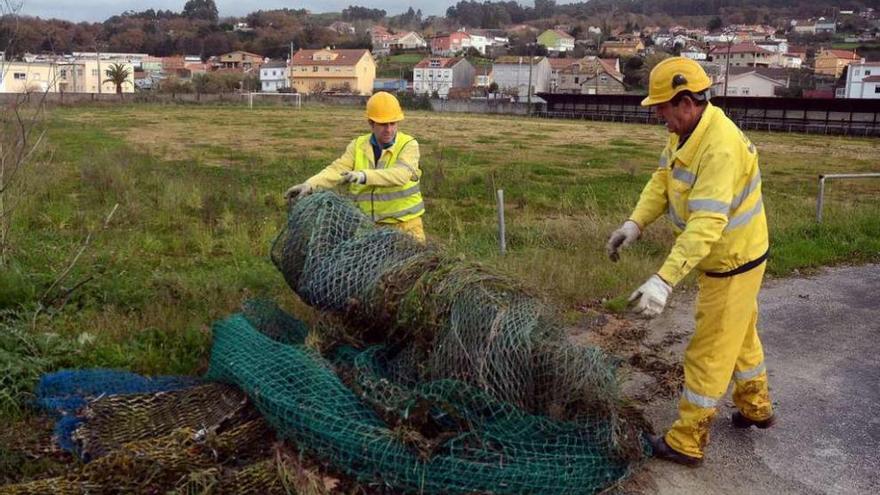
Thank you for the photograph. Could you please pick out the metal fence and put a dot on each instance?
(853, 117)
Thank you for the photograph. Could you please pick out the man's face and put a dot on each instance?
(681, 118)
(384, 132)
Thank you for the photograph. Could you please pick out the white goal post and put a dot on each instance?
(294, 98)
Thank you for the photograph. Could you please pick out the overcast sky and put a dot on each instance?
(99, 10)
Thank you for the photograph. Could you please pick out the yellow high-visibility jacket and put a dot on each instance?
(711, 191)
(391, 193)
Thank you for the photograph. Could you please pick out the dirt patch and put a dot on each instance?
(652, 365)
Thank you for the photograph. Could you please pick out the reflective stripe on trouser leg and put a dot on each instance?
(412, 227)
(751, 392)
(724, 314)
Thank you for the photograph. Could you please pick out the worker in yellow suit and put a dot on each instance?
(709, 185)
(381, 169)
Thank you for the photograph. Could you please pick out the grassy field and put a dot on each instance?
(199, 200)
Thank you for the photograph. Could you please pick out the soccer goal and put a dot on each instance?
(294, 99)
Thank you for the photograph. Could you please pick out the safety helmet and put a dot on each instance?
(383, 108)
(672, 76)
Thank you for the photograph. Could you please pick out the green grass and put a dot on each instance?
(199, 194)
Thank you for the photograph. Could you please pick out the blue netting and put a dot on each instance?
(63, 393)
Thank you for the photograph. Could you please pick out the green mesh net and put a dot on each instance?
(424, 374)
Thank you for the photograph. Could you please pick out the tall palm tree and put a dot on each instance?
(118, 75)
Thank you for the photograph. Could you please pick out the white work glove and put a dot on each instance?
(651, 297)
(298, 191)
(621, 238)
(354, 176)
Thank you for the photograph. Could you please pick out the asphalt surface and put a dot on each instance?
(821, 337)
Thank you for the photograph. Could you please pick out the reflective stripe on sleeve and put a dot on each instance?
(389, 196)
(749, 374)
(397, 214)
(684, 176)
(739, 198)
(744, 218)
(664, 162)
(676, 220)
(697, 399)
(708, 205)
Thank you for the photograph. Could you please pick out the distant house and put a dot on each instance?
(791, 61)
(622, 48)
(694, 53)
(826, 26)
(341, 27)
(556, 41)
(318, 71)
(239, 61)
(76, 76)
(513, 73)
(409, 40)
(592, 76)
(752, 81)
(381, 39)
(801, 26)
(274, 76)
(440, 75)
(742, 55)
(863, 80)
(449, 44)
(832, 62)
(556, 66)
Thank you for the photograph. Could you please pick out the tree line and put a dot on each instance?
(198, 30)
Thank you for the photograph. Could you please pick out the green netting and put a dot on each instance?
(431, 375)
(444, 318)
(462, 441)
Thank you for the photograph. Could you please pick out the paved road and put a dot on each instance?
(822, 343)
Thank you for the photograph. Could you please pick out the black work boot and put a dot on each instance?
(740, 421)
(662, 450)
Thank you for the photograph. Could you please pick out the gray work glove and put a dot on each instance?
(621, 238)
(298, 191)
(651, 297)
(354, 176)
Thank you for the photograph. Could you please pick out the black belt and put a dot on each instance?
(742, 269)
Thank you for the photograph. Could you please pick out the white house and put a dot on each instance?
(752, 83)
(694, 53)
(439, 75)
(274, 75)
(863, 80)
(512, 73)
(410, 40)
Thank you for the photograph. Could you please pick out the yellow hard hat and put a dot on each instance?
(383, 108)
(672, 76)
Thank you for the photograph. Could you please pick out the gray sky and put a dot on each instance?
(99, 10)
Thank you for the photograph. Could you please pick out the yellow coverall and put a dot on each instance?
(710, 188)
(391, 195)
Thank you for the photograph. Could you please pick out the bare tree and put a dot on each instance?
(21, 136)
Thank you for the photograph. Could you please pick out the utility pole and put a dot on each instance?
(529, 94)
(727, 72)
(98, 60)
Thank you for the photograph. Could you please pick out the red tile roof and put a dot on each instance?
(344, 57)
(445, 63)
(561, 63)
(844, 54)
(740, 48)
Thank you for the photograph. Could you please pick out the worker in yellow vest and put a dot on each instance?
(709, 185)
(381, 169)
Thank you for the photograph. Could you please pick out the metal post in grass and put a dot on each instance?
(820, 199)
(502, 239)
